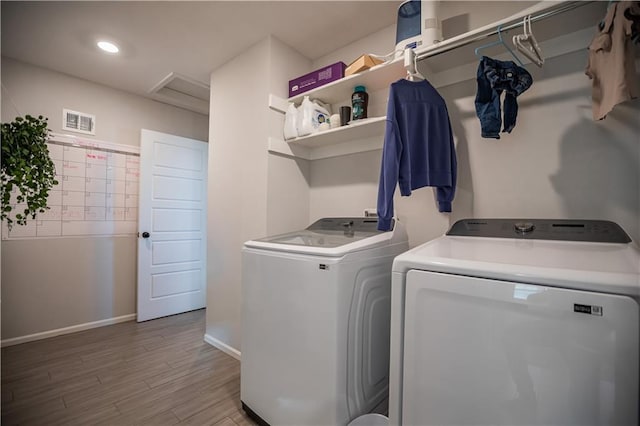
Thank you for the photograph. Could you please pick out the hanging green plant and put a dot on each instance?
(26, 167)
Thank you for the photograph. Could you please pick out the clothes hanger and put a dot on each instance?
(527, 44)
(411, 65)
(496, 43)
(601, 24)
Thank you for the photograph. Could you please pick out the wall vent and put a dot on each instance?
(78, 122)
(182, 91)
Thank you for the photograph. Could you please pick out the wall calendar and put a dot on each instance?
(96, 195)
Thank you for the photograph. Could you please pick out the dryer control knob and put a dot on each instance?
(524, 227)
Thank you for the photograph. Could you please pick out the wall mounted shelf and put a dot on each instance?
(453, 61)
(376, 78)
(359, 136)
(359, 129)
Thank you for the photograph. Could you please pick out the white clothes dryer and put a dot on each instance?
(517, 322)
(316, 318)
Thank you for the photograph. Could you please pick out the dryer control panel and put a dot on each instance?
(598, 231)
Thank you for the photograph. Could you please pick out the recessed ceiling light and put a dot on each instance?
(109, 47)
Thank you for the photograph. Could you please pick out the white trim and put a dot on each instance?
(92, 143)
(222, 346)
(66, 330)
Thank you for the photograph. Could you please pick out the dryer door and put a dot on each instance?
(481, 351)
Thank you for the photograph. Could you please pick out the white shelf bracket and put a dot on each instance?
(278, 104)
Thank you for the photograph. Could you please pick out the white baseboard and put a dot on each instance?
(66, 330)
(222, 346)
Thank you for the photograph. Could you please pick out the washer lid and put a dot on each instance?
(603, 267)
(328, 236)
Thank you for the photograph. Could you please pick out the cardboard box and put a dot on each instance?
(316, 78)
(364, 62)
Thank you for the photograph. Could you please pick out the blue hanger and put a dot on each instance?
(496, 43)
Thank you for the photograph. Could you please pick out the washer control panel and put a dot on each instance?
(524, 227)
(362, 224)
(599, 231)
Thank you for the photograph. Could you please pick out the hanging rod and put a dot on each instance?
(444, 47)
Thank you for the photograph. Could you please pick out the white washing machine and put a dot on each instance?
(316, 317)
(517, 322)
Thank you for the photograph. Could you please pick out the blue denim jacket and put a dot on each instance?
(494, 77)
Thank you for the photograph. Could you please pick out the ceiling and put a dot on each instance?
(188, 38)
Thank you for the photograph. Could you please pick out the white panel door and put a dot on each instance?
(172, 225)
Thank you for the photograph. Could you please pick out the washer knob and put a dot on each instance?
(524, 227)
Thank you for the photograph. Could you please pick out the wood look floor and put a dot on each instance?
(159, 372)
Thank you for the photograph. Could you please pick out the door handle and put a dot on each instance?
(145, 235)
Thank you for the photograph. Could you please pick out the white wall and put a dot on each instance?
(237, 185)
(55, 283)
(557, 163)
(287, 178)
(251, 194)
